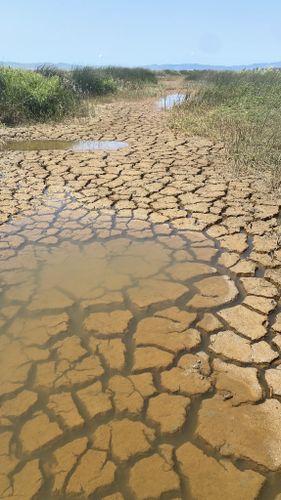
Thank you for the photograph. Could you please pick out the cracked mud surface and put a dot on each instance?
(140, 325)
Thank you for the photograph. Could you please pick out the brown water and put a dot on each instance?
(103, 362)
(76, 146)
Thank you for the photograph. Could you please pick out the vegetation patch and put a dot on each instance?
(242, 109)
(50, 93)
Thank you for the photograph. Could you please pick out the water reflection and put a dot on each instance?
(76, 146)
(170, 101)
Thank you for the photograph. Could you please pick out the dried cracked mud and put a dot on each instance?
(140, 318)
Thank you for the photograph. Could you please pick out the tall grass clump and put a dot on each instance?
(93, 82)
(242, 109)
(51, 70)
(136, 76)
(30, 96)
(98, 82)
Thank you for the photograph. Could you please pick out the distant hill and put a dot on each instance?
(34, 65)
(156, 67)
(188, 67)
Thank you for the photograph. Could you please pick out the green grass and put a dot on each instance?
(242, 109)
(28, 96)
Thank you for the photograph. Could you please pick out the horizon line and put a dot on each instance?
(240, 65)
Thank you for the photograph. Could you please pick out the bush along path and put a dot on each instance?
(26, 96)
(50, 94)
(140, 322)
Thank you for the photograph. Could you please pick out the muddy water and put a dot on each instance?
(76, 146)
(105, 360)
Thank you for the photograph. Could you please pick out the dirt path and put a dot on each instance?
(140, 323)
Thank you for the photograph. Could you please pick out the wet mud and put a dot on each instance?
(118, 370)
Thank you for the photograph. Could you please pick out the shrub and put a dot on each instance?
(30, 96)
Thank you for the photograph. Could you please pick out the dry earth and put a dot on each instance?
(140, 318)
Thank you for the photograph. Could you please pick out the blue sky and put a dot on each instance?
(136, 32)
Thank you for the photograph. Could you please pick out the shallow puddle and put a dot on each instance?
(108, 378)
(76, 146)
(169, 101)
